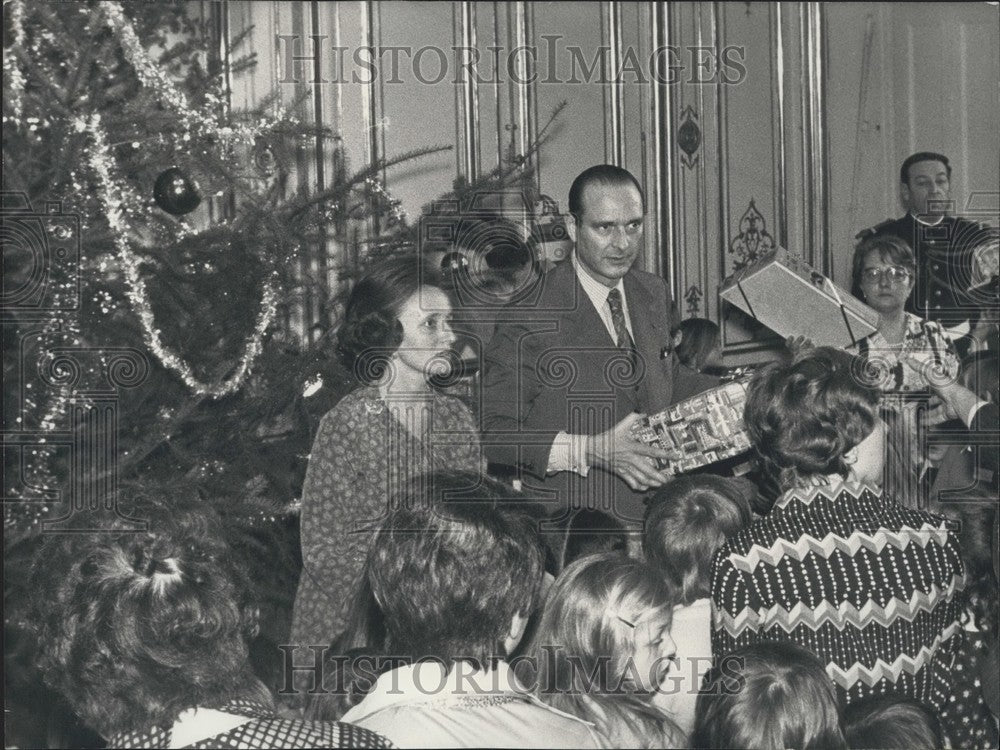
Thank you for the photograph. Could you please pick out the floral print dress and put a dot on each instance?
(362, 456)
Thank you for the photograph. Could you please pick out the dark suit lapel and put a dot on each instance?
(648, 316)
(581, 324)
(649, 338)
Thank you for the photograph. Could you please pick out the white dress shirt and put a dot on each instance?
(569, 452)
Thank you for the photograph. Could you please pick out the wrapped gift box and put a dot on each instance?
(701, 430)
(793, 299)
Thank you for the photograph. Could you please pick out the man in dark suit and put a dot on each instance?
(565, 376)
(943, 245)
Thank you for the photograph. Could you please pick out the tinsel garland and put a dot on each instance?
(110, 193)
(14, 85)
(154, 77)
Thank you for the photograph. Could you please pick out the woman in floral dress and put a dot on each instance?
(392, 429)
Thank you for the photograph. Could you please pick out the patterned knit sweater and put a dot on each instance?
(871, 587)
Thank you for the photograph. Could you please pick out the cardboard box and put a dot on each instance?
(792, 299)
(701, 430)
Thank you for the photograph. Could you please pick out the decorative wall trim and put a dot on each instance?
(693, 298)
(615, 148)
(372, 101)
(819, 212)
(753, 239)
(689, 137)
(470, 95)
(524, 85)
(781, 153)
(722, 127)
(663, 155)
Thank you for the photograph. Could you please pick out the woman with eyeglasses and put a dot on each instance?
(884, 270)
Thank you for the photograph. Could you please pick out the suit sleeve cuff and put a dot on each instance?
(975, 410)
(569, 453)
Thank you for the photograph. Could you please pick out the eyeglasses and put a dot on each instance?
(894, 274)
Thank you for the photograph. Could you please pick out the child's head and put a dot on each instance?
(604, 640)
(591, 532)
(686, 522)
(893, 723)
(816, 416)
(699, 347)
(768, 696)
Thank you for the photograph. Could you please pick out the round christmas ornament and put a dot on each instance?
(175, 192)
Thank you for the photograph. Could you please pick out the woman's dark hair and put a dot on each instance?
(804, 415)
(891, 722)
(371, 331)
(686, 522)
(134, 627)
(769, 696)
(450, 567)
(890, 248)
(699, 338)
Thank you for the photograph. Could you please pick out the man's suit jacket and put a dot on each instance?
(987, 419)
(552, 366)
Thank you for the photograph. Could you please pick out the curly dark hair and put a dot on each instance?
(451, 567)
(134, 627)
(803, 415)
(371, 331)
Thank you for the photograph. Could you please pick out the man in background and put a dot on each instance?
(943, 245)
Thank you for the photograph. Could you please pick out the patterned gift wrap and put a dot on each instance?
(702, 430)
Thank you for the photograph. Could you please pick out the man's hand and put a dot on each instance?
(797, 345)
(957, 401)
(619, 452)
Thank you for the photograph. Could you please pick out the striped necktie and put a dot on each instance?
(624, 340)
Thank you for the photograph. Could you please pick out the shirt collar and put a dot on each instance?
(597, 291)
(927, 223)
(428, 681)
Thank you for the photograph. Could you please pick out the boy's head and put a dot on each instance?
(454, 574)
(592, 532)
(893, 723)
(686, 522)
(772, 695)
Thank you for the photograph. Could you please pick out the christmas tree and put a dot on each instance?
(158, 264)
(170, 293)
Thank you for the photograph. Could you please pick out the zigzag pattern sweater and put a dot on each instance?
(871, 587)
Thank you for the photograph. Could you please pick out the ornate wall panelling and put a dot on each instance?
(910, 77)
(770, 152)
(569, 37)
(692, 139)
